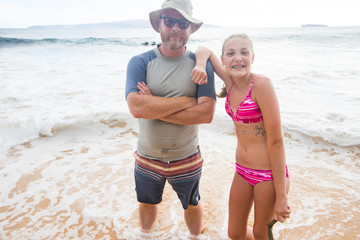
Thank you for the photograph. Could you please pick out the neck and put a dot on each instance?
(170, 52)
(243, 80)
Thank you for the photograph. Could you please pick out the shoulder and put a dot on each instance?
(260, 79)
(139, 62)
(263, 90)
(144, 57)
(192, 55)
(262, 83)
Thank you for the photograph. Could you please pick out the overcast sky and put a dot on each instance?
(228, 13)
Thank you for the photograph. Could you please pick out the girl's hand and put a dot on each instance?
(143, 89)
(282, 210)
(198, 75)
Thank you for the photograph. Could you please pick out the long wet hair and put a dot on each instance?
(223, 91)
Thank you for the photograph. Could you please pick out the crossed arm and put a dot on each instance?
(178, 110)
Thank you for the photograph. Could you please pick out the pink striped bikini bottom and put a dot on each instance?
(254, 176)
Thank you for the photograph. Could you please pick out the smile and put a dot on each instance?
(236, 67)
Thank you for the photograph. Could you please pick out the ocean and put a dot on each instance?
(67, 137)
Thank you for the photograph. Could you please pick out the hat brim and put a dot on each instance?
(155, 15)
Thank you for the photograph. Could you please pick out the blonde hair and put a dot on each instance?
(223, 91)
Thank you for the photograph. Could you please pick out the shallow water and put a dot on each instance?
(79, 184)
(67, 138)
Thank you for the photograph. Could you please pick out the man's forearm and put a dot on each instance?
(153, 107)
(203, 112)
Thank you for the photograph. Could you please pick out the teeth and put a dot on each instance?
(238, 66)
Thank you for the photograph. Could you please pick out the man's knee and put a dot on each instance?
(147, 207)
(148, 214)
(194, 207)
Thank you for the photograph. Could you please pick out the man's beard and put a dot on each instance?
(174, 44)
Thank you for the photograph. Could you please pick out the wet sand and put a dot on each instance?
(78, 184)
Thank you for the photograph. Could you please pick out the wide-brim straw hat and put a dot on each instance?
(184, 7)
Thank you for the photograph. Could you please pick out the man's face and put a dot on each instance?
(174, 37)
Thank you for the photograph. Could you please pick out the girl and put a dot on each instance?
(261, 176)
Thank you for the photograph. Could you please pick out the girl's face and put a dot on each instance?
(238, 56)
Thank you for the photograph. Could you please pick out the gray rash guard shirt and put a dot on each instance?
(167, 77)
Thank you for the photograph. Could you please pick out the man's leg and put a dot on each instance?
(194, 218)
(185, 182)
(149, 190)
(148, 214)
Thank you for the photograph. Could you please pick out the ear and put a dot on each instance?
(252, 59)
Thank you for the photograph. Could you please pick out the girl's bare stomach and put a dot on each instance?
(251, 150)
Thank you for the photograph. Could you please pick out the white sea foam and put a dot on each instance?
(43, 85)
(67, 137)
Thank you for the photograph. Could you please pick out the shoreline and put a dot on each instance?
(79, 184)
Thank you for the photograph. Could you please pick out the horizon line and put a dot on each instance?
(146, 24)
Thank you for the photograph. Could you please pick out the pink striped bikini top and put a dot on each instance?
(247, 112)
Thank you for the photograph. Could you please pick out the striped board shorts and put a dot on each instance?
(183, 175)
(174, 171)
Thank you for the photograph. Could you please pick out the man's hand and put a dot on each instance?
(143, 89)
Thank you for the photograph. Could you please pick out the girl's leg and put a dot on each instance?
(264, 200)
(240, 203)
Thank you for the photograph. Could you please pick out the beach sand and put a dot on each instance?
(78, 184)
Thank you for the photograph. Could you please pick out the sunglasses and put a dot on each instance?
(170, 22)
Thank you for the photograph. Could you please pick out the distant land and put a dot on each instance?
(137, 23)
(314, 25)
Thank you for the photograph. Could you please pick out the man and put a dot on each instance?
(169, 105)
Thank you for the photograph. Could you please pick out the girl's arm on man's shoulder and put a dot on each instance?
(198, 74)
